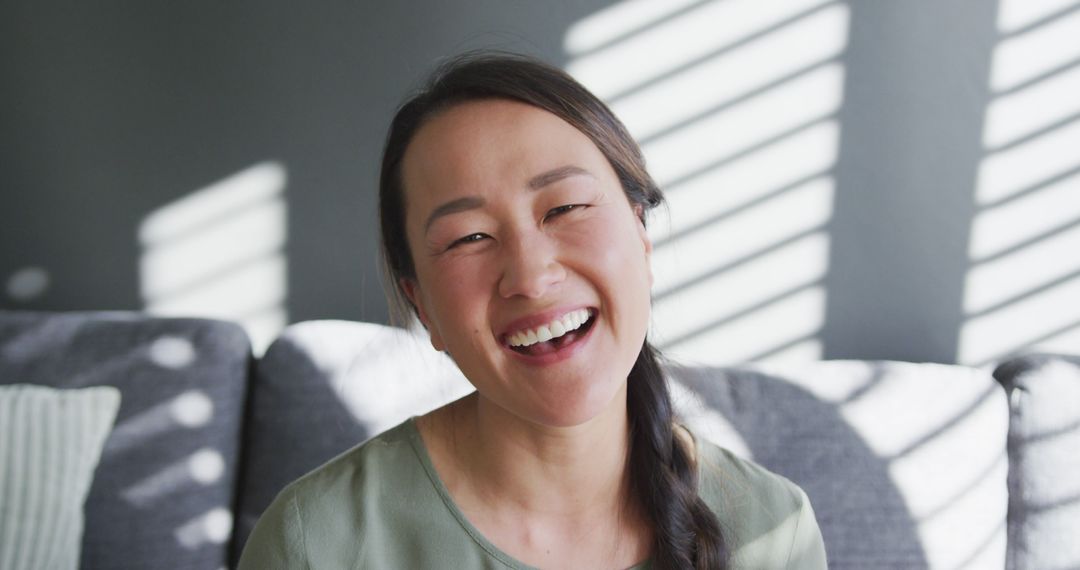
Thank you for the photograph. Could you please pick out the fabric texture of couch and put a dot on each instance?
(907, 465)
(164, 491)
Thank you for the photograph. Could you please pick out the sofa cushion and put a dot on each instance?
(1044, 456)
(904, 464)
(50, 443)
(325, 386)
(163, 491)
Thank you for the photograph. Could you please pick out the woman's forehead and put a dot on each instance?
(498, 142)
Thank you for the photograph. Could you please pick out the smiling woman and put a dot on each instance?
(513, 207)
(546, 238)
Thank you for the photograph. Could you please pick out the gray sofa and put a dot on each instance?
(907, 465)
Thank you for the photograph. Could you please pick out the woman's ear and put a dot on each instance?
(643, 235)
(412, 291)
(639, 215)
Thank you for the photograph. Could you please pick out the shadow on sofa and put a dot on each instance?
(905, 464)
(776, 418)
(791, 432)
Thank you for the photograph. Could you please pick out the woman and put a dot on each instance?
(512, 206)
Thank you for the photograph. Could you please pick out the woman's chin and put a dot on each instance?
(575, 409)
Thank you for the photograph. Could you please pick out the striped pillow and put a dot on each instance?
(50, 444)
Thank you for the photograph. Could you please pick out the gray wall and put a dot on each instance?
(110, 112)
(910, 147)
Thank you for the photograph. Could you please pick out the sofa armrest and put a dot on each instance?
(164, 490)
(1044, 460)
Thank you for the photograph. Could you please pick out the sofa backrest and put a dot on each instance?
(162, 495)
(324, 387)
(905, 464)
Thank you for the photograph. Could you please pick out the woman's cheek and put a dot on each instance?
(606, 242)
(461, 277)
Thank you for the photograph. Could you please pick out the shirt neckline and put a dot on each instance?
(421, 451)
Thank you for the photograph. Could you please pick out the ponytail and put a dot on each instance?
(686, 532)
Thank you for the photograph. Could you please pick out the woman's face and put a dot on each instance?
(516, 222)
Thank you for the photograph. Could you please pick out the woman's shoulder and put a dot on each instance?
(767, 520)
(328, 513)
(721, 470)
(383, 455)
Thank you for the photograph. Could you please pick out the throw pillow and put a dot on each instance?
(50, 444)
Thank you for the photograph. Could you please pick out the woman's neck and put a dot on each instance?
(537, 491)
(541, 469)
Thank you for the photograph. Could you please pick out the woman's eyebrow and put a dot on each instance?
(554, 175)
(453, 207)
(535, 183)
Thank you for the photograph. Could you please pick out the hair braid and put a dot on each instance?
(687, 533)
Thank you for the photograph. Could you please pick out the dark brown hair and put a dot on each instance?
(687, 533)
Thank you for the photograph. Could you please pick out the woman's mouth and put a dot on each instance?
(552, 336)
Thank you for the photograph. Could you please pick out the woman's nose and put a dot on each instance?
(530, 266)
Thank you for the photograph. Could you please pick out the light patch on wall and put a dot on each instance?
(761, 229)
(1021, 272)
(667, 45)
(763, 279)
(28, 284)
(734, 103)
(760, 119)
(1015, 15)
(782, 328)
(219, 253)
(618, 20)
(731, 75)
(1023, 167)
(1022, 291)
(1038, 106)
(1032, 53)
(749, 180)
(1048, 320)
(997, 229)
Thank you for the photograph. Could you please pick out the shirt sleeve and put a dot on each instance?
(277, 541)
(807, 547)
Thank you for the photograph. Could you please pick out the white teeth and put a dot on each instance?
(555, 329)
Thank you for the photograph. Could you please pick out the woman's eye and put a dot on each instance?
(561, 210)
(467, 239)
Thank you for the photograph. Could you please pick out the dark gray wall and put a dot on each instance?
(110, 112)
(910, 146)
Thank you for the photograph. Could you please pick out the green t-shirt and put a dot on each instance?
(382, 505)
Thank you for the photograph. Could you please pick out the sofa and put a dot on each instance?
(907, 465)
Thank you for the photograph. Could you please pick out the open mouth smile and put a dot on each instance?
(554, 336)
